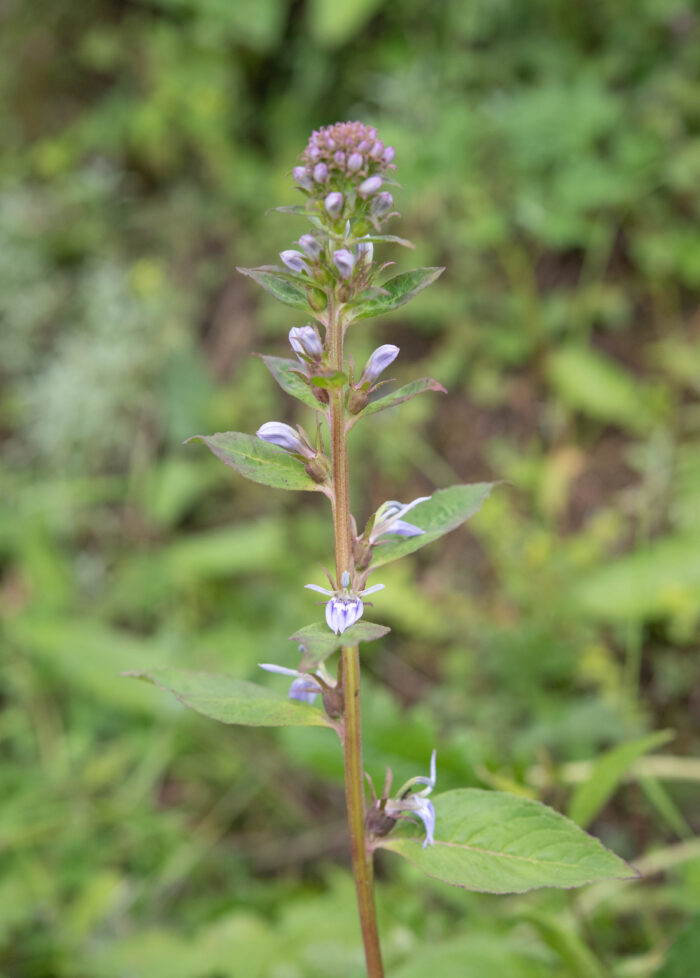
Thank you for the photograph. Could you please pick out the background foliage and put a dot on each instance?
(550, 153)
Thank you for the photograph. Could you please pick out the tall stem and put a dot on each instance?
(352, 725)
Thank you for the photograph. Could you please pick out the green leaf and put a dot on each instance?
(391, 239)
(278, 285)
(257, 460)
(590, 797)
(579, 960)
(286, 373)
(444, 511)
(682, 957)
(589, 382)
(318, 641)
(399, 290)
(232, 700)
(472, 956)
(493, 842)
(661, 579)
(404, 393)
(332, 23)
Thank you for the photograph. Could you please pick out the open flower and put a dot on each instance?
(345, 606)
(382, 358)
(389, 520)
(409, 802)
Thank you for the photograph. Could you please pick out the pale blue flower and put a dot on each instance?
(369, 186)
(382, 357)
(345, 606)
(284, 436)
(389, 520)
(381, 204)
(295, 261)
(306, 342)
(416, 802)
(334, 203)
(344, 262)
(305, 687)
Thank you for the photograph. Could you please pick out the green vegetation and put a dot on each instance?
(552, 151)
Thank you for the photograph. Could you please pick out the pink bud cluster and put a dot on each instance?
(342, 155)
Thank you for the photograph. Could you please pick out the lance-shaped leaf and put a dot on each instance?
(404, 393)
(318, 641)
(444, 511)
(493, 842)
(286, 373)
(232, 700)
(392, 238)
(397, 291)
(607, 772)
(258, 460)
(279, 285)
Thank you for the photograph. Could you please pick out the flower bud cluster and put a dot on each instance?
(344, 167)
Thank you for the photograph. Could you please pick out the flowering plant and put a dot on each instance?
(482, 840)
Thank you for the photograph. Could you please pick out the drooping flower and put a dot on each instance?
(382, 357)
(416, 802)
(305, 686)
(283, 435)
(364, 252)
(389, 520)
(345, 606)
(381, 204)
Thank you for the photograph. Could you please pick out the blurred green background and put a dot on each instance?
(550, 155)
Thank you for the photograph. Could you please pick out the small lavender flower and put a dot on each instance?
(345, 607)
(369, 186)
(377, 150)
(344, 262)
(295, 261)
(355, 161)
(389, 520)
(364, 252)
(283, 435)
(305, 687)
(334, 203)
(320, 173)
(310, 246)
(339, 158)
(416, 803)
(382, 357)
(388, 154)
(306, 342)
(381, 204)
(303, 178)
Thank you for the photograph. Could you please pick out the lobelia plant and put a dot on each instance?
(486, 841)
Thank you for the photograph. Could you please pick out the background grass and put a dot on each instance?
(550, 155)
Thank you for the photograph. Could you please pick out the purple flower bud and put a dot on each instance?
(381, 204)
(303, 178)
(388, 154)
(320, 173)
(314, 154)
(377, 150)
(283, 435)
(339, 158)
(341, 613)
(310, 246)
(382, 357)
(304, 689)
(334, 203)
(305, 341)
(344, 262)
(364, 146)
(364, 252)
(370, 186)
(330, 142)
(295, 261)
(355, 161)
